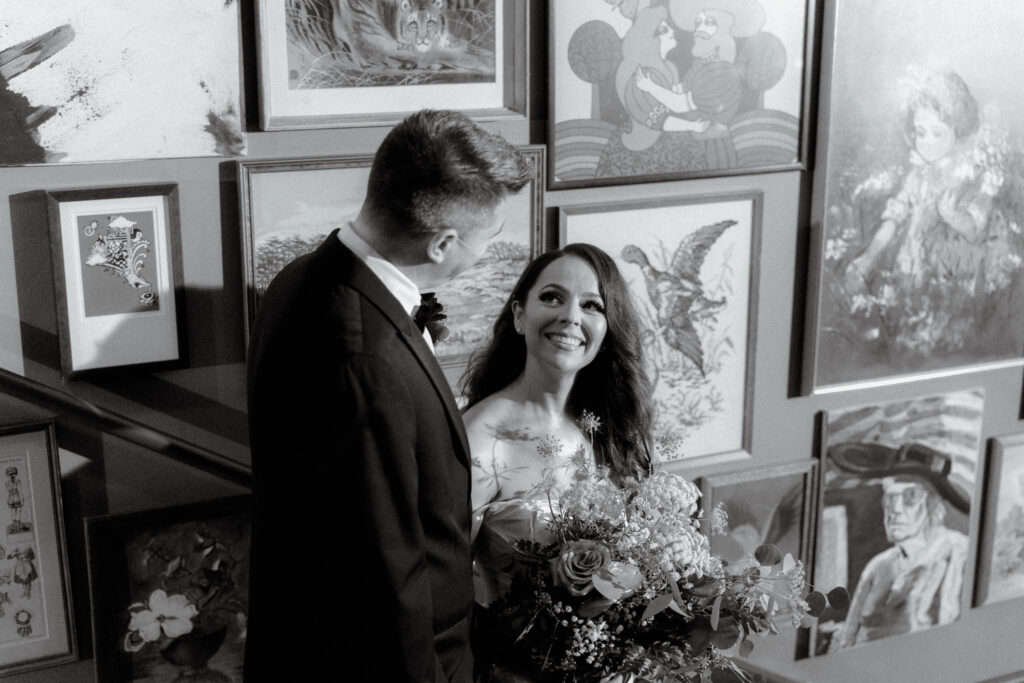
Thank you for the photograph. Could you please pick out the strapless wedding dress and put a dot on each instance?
(503, 523)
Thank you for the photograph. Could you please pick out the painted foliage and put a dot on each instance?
(89, 81)
(921, 254)
(690, 267)
(675, 87)
(898, 487)
(364, 43)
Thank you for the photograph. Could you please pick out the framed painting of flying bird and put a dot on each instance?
(692, 266)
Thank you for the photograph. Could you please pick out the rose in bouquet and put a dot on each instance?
(629, 587)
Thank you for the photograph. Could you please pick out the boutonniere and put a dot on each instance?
(430, 315)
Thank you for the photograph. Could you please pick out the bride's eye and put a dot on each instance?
(550, 296)
(594, 305)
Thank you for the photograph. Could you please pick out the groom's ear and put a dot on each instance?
(440, 243)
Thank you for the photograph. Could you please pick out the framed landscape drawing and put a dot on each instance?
(770, 505)
(335, 63)
(89, 81)
(36, 618)
(170, 592)
(643, 91)
(692, 267)
(917, 264)
(897, 487)
(290, 206)
(118, 277)
(1000, 564)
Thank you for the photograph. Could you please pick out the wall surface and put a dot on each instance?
(204, 404)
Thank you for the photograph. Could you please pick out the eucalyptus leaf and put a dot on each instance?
(656, 606)
(716, 612)
(768, 555)
(839, 597)
(816, 603)
(591, 609)
(746, 647)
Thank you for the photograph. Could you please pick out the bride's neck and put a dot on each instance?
(547, 394)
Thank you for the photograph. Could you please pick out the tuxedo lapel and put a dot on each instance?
(358, 276)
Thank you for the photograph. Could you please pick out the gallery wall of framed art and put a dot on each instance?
(770, 168)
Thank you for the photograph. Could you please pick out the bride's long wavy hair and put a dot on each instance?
(614, 386)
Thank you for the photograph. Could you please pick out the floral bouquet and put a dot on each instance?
(629, 587)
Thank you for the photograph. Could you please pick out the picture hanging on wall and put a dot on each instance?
(170, 592)
(90, 81)
(917, 268)
(1000, 563)
(118, 277)
(898, 483)
(643, 91)
(763, 506)
(290, 206)
(335, 63)
(692, 268)
(36, 617)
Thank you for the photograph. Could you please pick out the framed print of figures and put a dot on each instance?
(36, 618)
(290, 206)
(897, 487)
(773, 505)
(650, 90)
(118, 277)
(170, 592)
(918, 262)
(692, 267)
(335, 63)
(1000, 564)
(89, 81)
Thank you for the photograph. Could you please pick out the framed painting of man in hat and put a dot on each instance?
(898, 483)
(651, 89)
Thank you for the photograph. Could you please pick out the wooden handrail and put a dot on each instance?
(63, 404)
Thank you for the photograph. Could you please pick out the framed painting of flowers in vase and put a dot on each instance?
(170, 592)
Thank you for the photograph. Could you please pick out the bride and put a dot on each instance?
(566, 342)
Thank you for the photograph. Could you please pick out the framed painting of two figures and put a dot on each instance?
(917, 205)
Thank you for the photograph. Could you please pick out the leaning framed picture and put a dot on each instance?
(118, 277)
(692, 265)
(768, 505)
(327, 64)
(72, 93)
(289, 206)
(917, 267)
(170, 591)
(898, 484)
(36, 616)
(1000, 565)
(679, 89)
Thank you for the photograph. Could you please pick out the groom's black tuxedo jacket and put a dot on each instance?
(361, 556)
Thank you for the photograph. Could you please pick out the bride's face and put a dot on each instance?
(562, 318)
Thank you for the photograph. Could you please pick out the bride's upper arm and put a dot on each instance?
(484, 455)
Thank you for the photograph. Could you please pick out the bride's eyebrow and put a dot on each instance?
(560, 288)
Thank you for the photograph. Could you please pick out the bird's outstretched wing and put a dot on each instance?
(690, 254)
(681, 334)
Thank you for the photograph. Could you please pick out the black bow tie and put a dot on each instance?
(430, 315)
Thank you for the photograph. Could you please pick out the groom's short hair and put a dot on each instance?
(438, 169)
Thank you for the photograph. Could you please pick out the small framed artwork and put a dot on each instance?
(771, 505)
(363, 62)
(897, 487)
(1000, 565)
(918, 253)
(692, 267)
(70, 94)
(170, 592)
(118, 277)
(290, 206)
(679, 89)
(36, 617)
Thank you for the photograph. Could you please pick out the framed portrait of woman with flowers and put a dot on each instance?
(916, 214)
(170, 591)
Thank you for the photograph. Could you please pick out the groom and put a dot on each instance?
(361, 559)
